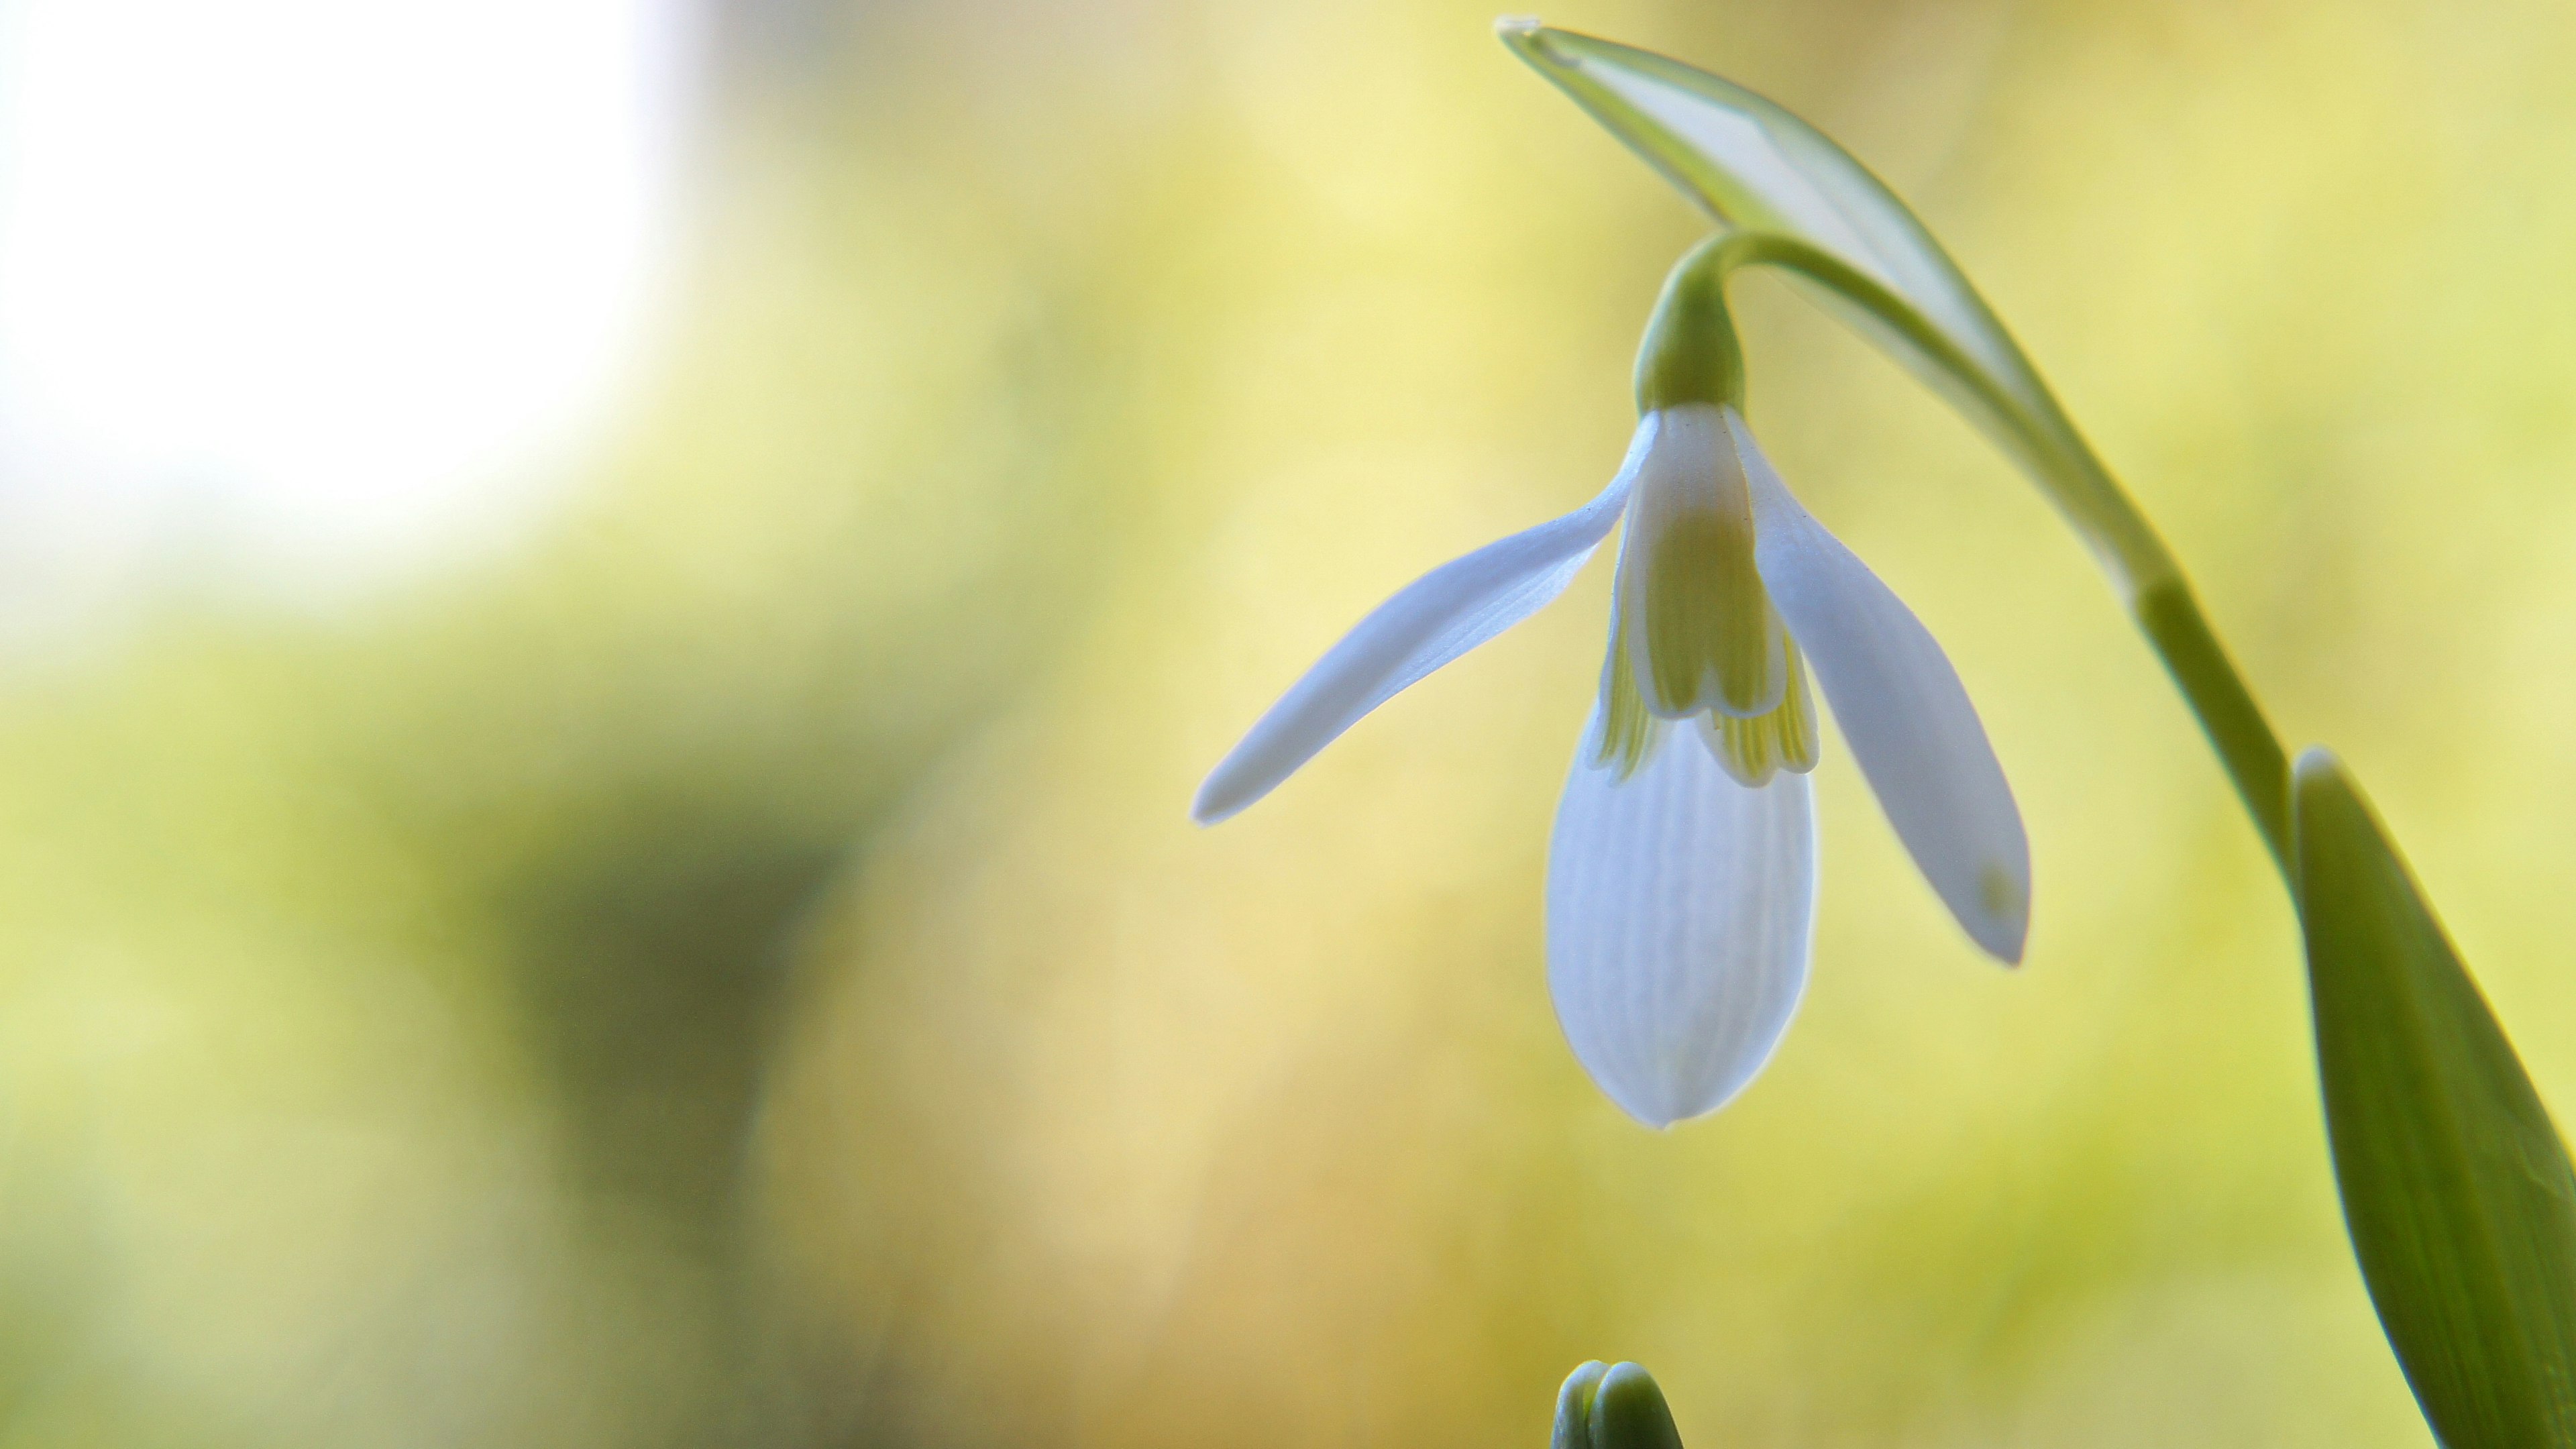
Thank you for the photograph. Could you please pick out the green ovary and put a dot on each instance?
(1627, 729)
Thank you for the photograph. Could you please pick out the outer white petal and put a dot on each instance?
(1436, 618)
(1680, 916)
(1904, 712)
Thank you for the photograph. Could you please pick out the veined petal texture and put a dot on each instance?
(1433, 620)
(1680, 916)
(1902, 710)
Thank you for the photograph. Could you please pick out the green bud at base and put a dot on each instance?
(1574, 1407)
(1612, 1408)
(1690, 353)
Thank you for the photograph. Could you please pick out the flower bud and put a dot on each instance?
(1574, 1407)
(1613, 1408)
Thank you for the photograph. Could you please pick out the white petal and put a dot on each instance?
(1903, 711)
(1680, 916)
(1436, 618)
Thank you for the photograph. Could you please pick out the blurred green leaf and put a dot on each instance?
(2455, 1184)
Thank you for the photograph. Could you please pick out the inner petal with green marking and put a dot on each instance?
(1752, 750)
(1699, 628)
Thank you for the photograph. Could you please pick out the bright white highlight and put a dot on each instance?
(324, 281)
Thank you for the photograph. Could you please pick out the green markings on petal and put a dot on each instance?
(1999, 893)
(1701, 632)
(1693, 634)
(1628, 729)
(1711, 640)
(1751, 750)
(1754, 750)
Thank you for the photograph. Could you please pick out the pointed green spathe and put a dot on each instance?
(2455, 1184)
(1800, 202)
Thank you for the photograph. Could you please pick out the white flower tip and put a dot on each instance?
(1663, 1099)
(1664, 1117)
(1508, 26)
(1221, 797)
(2314, 762)
(2006, 949)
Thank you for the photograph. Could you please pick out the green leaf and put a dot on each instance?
(2455, 1184)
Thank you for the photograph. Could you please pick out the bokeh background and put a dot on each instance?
(609, 610)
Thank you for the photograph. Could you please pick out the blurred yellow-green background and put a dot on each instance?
(613, 608)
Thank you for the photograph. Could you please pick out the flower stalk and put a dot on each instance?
(2457, 1189)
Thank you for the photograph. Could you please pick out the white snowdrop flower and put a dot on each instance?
(1682, 873)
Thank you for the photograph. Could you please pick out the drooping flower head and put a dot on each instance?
(1682, 871)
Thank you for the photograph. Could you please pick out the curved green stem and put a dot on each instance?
(2228, 714)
